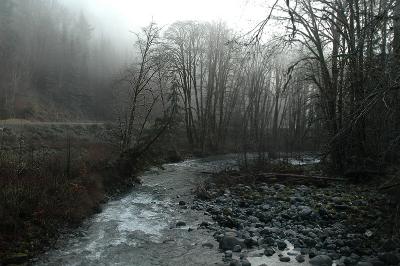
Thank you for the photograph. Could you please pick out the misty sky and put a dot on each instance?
(126, 15)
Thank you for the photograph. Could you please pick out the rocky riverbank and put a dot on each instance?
(278, 222)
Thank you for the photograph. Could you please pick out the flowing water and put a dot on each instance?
(139, 228)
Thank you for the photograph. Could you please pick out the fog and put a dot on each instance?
(118, 18)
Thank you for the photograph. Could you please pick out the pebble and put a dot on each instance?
(207, 245)
(180, 223)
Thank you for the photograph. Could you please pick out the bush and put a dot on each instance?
(41, 192)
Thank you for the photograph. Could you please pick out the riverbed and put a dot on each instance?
(140, 227)
(161, 222)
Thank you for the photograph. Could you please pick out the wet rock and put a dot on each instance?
(228, 254)
(180, 224)
(376, 262)
(304, 251)
(265, 207)
(253, 219)
(389, 258)
(293, 253)
(310, 242)
(345, 250)
(251, 242)
(269, 231)
(269, 252)
(389, 245)
(256, 253)
(342, 207)
(296, 199)
(349, 261)
(305, 211)
(228, 242)
(227, 211)
(284, 259)
(333, 255)
(235, 263)
(204, 224)
(237, 248)
(269, 241)
(364, 263)
(321, 260)
(300, 258)
(207, 245)
(281, 244)
(245, 262)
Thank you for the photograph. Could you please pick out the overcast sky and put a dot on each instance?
(133, 14)
(117, 19)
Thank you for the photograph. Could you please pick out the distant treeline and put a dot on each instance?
(53, 66)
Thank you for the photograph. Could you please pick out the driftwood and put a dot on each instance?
(298, 176)
(207, 173)
(238, 177)
(389, 186)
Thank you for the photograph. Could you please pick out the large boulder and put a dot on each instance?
(284, 259)
(364, 263)
(389, 258)
(228, 242)
(281, 244)
(305, 211)
(321, 260)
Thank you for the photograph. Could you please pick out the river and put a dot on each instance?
(140, 227)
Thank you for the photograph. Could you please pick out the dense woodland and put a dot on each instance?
(329, 83)
(54, 65)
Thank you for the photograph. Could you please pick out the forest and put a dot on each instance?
(307, 100)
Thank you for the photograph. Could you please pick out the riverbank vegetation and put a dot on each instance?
(51, 181)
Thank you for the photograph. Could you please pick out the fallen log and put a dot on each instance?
(389, 186)
(282, 175)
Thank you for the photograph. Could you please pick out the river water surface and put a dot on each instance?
(139, 228)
